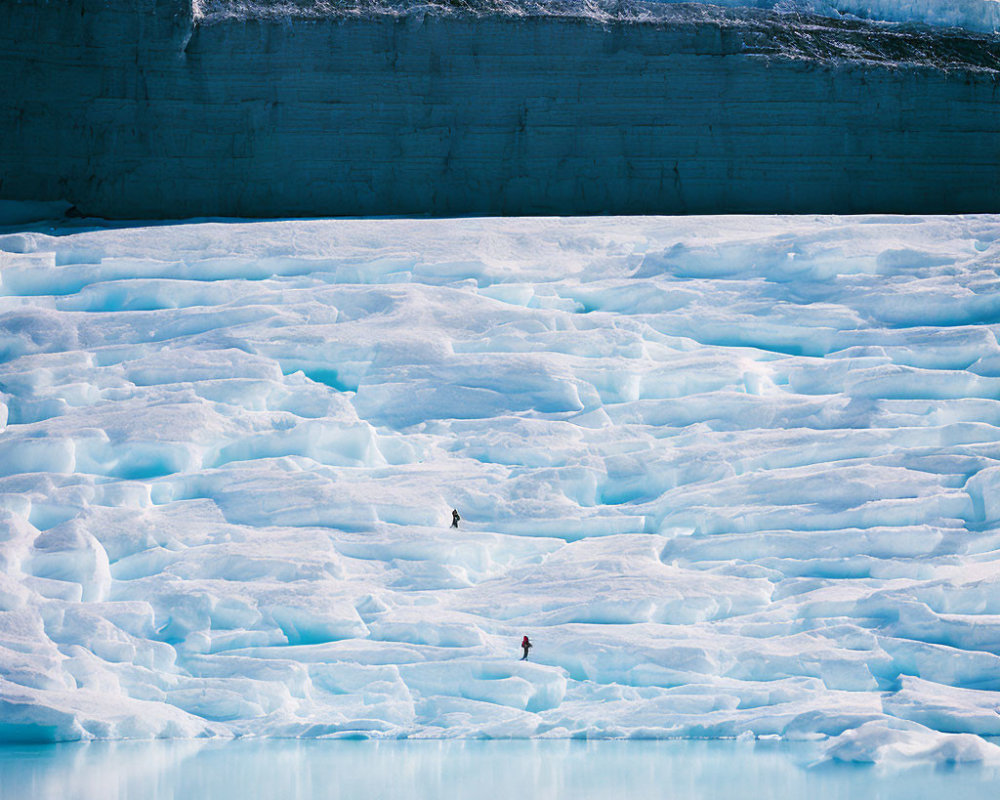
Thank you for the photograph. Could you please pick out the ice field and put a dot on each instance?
(734, 476)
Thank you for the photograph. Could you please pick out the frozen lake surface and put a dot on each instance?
(303, 770)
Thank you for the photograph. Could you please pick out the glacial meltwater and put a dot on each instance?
(402, 770)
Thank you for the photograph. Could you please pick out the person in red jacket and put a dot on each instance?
(525, 646)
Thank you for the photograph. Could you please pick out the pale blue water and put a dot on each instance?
(414, 770)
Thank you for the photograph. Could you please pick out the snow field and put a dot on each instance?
(734, 476)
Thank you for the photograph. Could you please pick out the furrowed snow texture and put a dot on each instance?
(493, 107)
(734, 476)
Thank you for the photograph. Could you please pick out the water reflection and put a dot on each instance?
(415, 770)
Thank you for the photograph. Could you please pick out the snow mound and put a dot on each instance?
(734, 476)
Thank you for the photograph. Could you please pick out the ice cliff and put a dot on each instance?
(734, 476)
(145, 108)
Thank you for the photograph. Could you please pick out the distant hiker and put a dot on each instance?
(454, 518)
(525, 646)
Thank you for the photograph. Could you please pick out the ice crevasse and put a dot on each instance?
(733, 476)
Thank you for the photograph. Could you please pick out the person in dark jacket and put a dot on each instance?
(525, 646)
(454, 518)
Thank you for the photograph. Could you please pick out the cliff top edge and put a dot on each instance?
(765, 32)
(978, 16)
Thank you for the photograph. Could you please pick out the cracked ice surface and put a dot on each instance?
(732, 475)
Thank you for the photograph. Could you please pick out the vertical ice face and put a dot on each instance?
(491, 108)
(731, 476)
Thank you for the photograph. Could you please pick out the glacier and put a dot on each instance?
(734, 476)
(498, 108)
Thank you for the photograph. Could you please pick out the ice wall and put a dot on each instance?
(132, 109)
